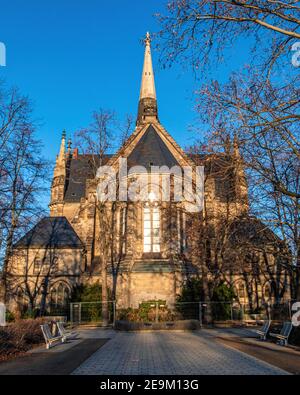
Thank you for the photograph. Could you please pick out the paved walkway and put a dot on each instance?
(171, 353)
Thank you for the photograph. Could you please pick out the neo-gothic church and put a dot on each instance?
(151, 250)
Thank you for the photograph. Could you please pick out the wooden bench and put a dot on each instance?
(264, 330)
(49, 338)
(284, 334)
(65, 335)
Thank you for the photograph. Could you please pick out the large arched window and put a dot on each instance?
(60, 295)
(151, 228)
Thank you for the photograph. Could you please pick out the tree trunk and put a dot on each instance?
(4, 277)
(105, 312)
(44, 296)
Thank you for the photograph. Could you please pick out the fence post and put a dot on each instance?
(79, 313)
(114, 313)
(71, 312)
(156, 311)
(200, 314)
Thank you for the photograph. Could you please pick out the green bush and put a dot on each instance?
(146, 312)
(10, 317)
(88, 295)
(192, 293)
(224, 295)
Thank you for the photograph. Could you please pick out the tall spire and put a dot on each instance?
(147, 111)
(148, 84)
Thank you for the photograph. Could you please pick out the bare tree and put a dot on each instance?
(22, 173)
(266, 120)
(96, 142)
(199, 32)
(260, 103)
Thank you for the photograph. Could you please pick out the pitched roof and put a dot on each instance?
(251, 230)
(151, 149)
(81, 169)
(51, 232)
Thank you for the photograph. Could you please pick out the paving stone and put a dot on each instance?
(176, 353)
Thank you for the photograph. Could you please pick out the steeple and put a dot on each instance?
(59, 180)
(60, 167)
(147, 111)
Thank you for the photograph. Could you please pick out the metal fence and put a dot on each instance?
(91, 312)
(205, 312)
(160, 311)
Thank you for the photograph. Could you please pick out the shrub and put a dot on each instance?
(10, 317)
(88, 295)
(224, 295)
(146, 312)
(20, 337)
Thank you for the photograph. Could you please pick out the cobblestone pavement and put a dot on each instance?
(175, 353)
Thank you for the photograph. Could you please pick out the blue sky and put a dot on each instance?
(72, 57)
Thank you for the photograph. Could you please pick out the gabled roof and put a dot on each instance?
(151, 149)
(50, 232)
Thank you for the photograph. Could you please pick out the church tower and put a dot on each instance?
(59, 181)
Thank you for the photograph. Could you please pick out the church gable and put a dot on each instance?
(151, 151)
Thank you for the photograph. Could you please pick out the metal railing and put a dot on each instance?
(92, 312)
(160, 311)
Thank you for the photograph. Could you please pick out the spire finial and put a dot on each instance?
(69, 144)
(148, 39)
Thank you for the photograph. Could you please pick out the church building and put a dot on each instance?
(146, 250)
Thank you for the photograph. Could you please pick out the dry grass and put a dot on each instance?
(19, 337)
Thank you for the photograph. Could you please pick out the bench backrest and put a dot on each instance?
(266, 326)
(46, 332)
(286, 329)
(61, 328)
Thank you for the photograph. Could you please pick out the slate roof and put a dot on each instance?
(51, 232)
(151, 149)
(81, 169)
